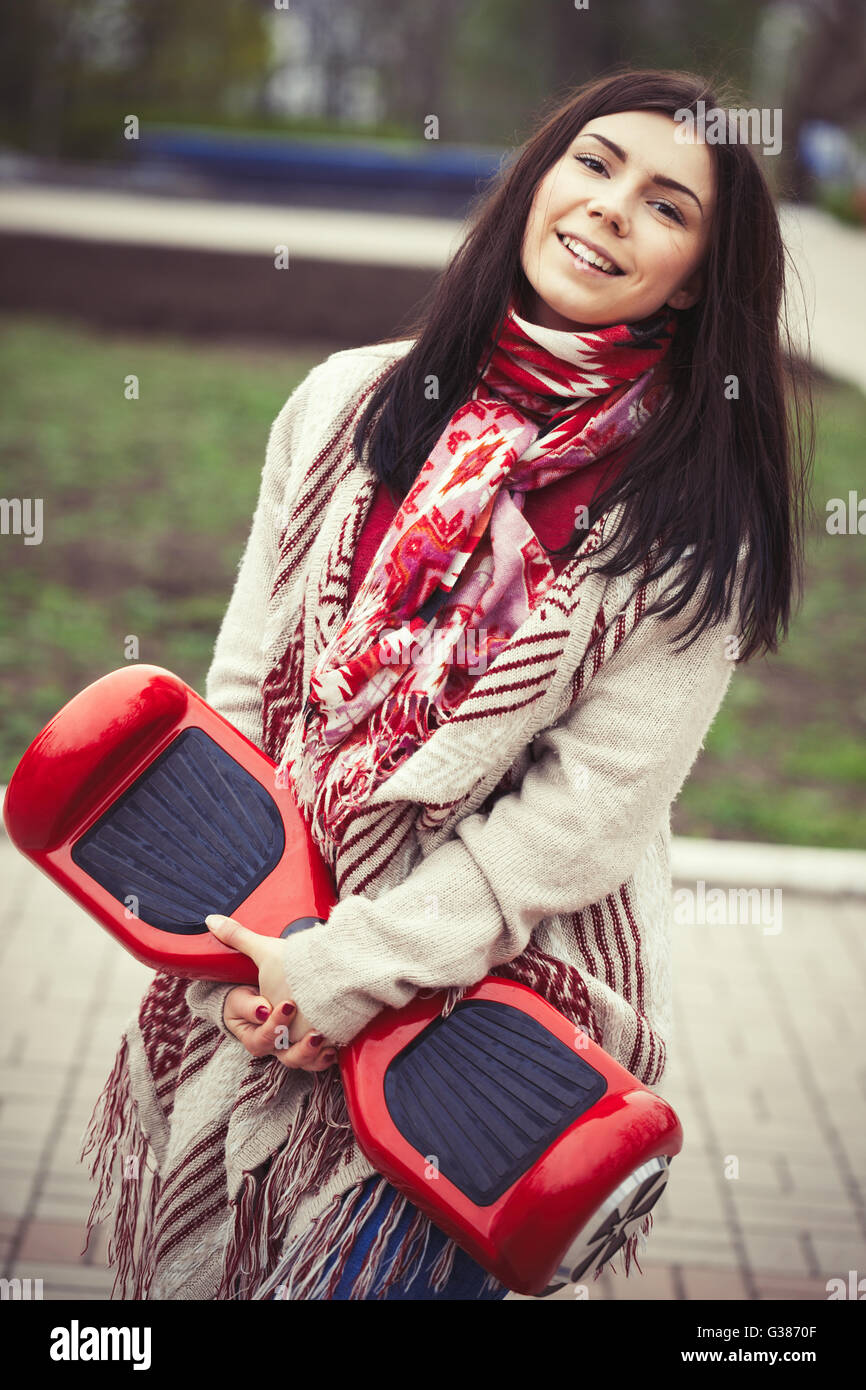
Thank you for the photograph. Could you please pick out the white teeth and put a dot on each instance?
(586, 254)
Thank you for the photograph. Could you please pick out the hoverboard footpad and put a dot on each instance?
(194, 834)
(484, 1092)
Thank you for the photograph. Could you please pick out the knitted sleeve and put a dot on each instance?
(234, 681)
(600, 785)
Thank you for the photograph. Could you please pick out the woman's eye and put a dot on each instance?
(593, 161)
(669, 207)
(590, 160)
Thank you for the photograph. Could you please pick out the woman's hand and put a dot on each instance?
(265, 1031)
(264, 1021)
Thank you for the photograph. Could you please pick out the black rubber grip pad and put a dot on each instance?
(194, 834)
(484, 1092)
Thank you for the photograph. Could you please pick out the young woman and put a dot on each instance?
(580, 478)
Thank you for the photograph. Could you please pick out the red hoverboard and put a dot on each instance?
(510, 1129)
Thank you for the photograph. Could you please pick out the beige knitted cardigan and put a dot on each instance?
(529, 835)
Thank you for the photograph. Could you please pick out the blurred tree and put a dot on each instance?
(193, 54)
(70, 71)
(416, 85)
(409, 48)
(510, 59)
(341, 39)
(486, 68)
(825, 75)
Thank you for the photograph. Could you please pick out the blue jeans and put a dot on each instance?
(465, 1281)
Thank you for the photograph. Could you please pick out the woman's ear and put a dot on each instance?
(689, 293)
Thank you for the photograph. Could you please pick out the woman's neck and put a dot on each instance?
(530, 308)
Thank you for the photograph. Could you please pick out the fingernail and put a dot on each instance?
(329, 1056)
(262, 1014)
(214, 920)
(289, 1009)
(316, 1039)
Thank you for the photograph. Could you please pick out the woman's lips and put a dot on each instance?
(585, 266)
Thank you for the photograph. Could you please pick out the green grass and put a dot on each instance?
(147, 505)
(785, 760)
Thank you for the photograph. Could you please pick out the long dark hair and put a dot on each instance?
(710, 472)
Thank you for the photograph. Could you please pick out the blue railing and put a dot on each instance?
(331, 163)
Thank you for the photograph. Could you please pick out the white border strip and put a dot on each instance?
(744, 864)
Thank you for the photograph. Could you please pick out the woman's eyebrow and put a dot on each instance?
(656, 178)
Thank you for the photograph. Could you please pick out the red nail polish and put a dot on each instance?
(262, 1014)
(316, 1039)
(289, 1009)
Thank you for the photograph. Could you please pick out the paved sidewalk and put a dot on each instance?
(766, 1072)
(828, 302)
(322, 234)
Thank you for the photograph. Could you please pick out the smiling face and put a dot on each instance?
(628, 190)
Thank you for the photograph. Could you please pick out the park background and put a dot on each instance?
(304, 124)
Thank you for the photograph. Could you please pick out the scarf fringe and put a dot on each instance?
(242, 1233)
(365, 1281)
(146, 1272)
(318, 1249)
(114, 1135)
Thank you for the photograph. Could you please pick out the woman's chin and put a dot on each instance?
(574, 321)
(563, 315)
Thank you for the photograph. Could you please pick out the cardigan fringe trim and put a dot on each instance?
(113, 1133)
(318, 1143)
(315, 1263)
(252, 1267)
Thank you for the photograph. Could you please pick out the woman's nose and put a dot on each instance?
(610, 214)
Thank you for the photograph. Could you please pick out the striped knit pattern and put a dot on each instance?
(249, 1164)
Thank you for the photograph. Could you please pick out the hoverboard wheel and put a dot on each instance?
(616, 1219)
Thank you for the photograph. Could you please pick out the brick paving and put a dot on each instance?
(766, 1071)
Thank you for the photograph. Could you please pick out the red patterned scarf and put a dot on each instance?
(460, 568)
